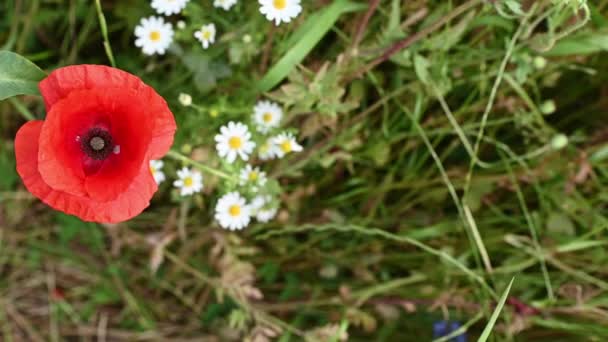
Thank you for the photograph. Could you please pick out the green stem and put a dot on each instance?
(104, 32)
(22, 109)
(178, 156)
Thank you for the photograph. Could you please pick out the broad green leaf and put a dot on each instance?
(581, 44)
(488, 329)
(317, 26)
(18, 76)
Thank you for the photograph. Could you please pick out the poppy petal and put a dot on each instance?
(65, 167)
(164, 123)
(128, 205)
(61, 82)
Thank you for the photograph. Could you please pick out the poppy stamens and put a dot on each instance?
(97, 144)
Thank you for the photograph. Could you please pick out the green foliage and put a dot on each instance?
(305, 40)
(18, 76)
(390, 220)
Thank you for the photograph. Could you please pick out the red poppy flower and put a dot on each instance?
(90, 157)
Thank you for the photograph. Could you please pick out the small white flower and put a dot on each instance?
(153, 35)
(156, 168)
(267, 150)
(252, 175)
(181, 24)
(263, 209)
(280, 10)
(285, 143)
(168, 7)
(234, 140)
(267, 115)
(232, 211)
(185, 99)
(189, 181)
(225, 4)
(206, 35)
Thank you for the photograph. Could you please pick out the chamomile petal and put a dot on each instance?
(253, 176)
(189, 181)
(169, 7)
(153, 35)
(232, 211)
(234, 141)
(206, 35)
(225, 4)
(267, 115)
(156, 168)
(280, 10)
(263, 209)
(284, 144)
(266, 151)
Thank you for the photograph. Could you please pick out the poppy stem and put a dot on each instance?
(104, 32)
(178, 156)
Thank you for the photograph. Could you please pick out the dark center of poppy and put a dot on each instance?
(97, 144)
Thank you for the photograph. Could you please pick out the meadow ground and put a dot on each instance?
(452, 179)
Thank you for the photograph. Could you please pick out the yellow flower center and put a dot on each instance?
(207, 35)
(154, 36)
(267, 117)
(253, 176)
(188, 181)
(235, 143)
(279, 4)
(152, 171)
(286, 146)
(234, 210)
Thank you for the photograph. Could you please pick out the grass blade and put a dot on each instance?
(317, 27)
(488, 329)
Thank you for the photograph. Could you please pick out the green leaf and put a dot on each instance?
(560, 224)
(581, 44)
(316, 27)
(488, 329)
(18, 76)
(421, 67)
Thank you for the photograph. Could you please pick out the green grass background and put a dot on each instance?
(427, 182)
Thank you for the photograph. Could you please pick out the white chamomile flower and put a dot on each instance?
(280, 10)
(189, 181)
(225, 4)
(263, 209)
(285, 143)
(153, 35)
(267, 115)
(156, 168)
(252, 175)
(232, 211)
(206, 35)
(168, 7)
(234, 140)
(267, 150)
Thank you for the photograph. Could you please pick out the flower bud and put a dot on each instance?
(548, 107)
(559, 142)
(185, 99)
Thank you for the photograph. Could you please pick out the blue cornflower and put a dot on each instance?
(444, 328)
